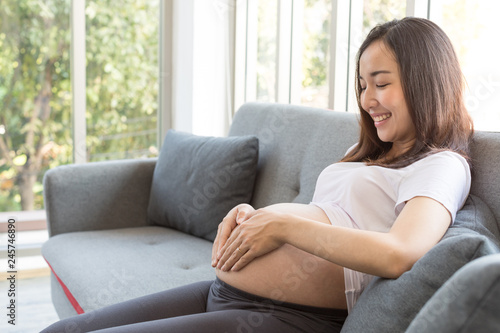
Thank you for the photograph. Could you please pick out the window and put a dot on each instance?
(266, 50)
(122, 78)
(316, 53)
(364, 15)
(472, 28)
(35, 97)
(121, 91)
(326, 34)
(380, 11)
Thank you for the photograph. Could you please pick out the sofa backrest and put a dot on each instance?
(485, 153)
(298, 142)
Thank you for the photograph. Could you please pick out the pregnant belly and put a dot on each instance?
(291, 275)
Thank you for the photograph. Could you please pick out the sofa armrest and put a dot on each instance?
(97, 196)
(467, 302)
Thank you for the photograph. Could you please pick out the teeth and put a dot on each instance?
(381, 117)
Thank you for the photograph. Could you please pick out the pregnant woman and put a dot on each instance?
(301, 268)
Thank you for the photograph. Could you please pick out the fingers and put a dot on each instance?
(234, 259)
(215, 246)
(260, 235)
(235, 217)
(229, 249)
(241, 217)
(243, 261)
(235, 254)
(244, 213)
(223, 232)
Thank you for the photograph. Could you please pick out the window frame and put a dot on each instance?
(78, 80)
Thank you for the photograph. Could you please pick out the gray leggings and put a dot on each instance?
(209, 306)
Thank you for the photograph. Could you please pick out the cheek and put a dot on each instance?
(388, 97)
(396, 104)
(390, 103)
(405, 119)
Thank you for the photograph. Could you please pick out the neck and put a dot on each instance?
(399, 149)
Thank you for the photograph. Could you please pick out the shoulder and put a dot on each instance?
(444, 164)
(443, 158)
(443, 176)
(440, 169)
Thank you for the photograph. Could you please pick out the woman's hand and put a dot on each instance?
(260, 234)
(235, 217)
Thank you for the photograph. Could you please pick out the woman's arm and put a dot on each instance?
(419, 226)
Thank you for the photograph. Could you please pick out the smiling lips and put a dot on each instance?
(380, 118)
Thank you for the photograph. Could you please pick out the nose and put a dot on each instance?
(368, 99)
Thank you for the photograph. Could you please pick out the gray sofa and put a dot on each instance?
(104, 248)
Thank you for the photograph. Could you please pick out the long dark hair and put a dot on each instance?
(433, 87)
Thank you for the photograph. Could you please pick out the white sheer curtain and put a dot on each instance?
(203, 66)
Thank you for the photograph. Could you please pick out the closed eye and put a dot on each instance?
(382, 85)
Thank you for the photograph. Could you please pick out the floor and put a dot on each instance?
(34, 309)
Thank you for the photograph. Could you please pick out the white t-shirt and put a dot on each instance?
(360, 196)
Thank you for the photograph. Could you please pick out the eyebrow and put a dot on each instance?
(373, 74)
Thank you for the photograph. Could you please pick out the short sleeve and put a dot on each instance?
(444, 177)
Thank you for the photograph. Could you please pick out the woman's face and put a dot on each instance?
(382, 97)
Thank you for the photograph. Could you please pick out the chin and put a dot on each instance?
(383, 138)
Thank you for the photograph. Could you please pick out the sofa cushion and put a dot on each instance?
(389, 305)
(468, 302)
(101, 268)
(197, 180)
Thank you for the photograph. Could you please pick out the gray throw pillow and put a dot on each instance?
(197, 180)
(389, 305)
